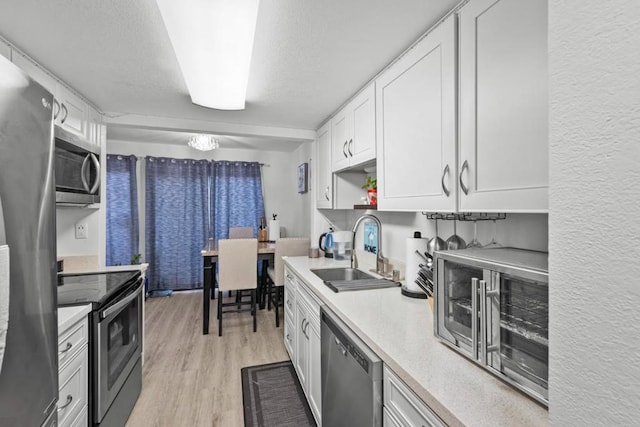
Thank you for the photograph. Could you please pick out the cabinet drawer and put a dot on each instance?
(289, 301)
(289, 336)
(404, 405)
(72, 395)
(71, 340)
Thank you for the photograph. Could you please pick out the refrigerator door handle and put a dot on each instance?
(3, 235)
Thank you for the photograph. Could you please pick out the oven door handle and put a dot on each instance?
(122, 303)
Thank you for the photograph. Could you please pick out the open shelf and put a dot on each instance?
(372, 207)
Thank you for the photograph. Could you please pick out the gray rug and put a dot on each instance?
(272, 396)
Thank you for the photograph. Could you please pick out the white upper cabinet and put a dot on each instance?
(353, 131)
(94, 126)
(324, 180)
(503, 157)
(416, 126)
(34, 71)
(73, 112)
(5, 50)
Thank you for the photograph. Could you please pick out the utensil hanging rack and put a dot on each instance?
(465, 216)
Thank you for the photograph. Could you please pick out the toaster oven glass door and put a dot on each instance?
(458, 305)
(516, 311)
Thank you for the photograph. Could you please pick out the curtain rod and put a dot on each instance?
(143, 157)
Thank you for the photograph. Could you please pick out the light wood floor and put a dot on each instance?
(190, 379)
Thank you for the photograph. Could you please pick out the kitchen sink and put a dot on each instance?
(330, 274)
(351, 279)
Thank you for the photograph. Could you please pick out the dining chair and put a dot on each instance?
(240, 232)
(290, 246)
(237, 260)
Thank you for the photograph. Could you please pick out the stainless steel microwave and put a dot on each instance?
(77, 170)
(492, 306)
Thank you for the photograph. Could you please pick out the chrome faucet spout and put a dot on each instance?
(379, 258)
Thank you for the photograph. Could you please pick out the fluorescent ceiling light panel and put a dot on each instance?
(213, 41)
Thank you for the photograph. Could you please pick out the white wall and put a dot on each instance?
(594, 221)
(66, 218)
(278, 175)
(528, 231)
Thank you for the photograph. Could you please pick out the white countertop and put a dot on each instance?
(400, 330)
(68, 316)
(105, 269)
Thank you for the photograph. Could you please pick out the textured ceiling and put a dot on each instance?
(309, 56)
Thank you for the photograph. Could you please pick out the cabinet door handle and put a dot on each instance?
(349, 147)
(289, 303)
(444, 187)
(344, 149)
(326, 194)
(302, 325)
(66, 113)
(465, 165)
(67, 403)
(56, 109)
(288, 337)
(67, 348)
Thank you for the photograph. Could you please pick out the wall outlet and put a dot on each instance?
(82, 230)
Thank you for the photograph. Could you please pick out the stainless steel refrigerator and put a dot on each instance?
(28, 313)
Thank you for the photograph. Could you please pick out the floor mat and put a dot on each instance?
(272, 396)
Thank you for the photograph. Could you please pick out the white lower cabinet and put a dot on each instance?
(402, 407)
(73, 374)
(302, 339)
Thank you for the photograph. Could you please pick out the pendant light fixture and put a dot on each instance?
(203, 142)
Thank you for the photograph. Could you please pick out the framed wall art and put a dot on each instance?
(303, 175)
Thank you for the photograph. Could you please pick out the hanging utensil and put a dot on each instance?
(436, 243)
(455, 242)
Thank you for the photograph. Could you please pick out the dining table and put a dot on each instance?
(266, 251)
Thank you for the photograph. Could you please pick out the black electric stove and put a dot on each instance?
(95, 288)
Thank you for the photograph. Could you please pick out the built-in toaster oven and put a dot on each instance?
(492, 306)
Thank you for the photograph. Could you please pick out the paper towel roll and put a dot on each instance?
(274, 229)
(413, 261)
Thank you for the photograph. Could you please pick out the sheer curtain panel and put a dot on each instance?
(122, 210)
(177, 221)
(236, 196)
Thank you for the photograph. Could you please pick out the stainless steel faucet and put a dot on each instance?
(379, 258)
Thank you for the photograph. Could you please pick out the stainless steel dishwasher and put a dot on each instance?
(351, 377)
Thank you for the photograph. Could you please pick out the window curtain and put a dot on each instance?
(237, 199)
(177, 221)
(122, 210)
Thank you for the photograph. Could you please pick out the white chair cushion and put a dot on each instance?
(237, 264)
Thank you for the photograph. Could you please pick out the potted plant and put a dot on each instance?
(371, 185)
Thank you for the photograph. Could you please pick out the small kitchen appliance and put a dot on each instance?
(77, 170)
(325, 243)
(492, 306)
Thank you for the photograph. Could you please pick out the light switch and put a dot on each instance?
(82, 230)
